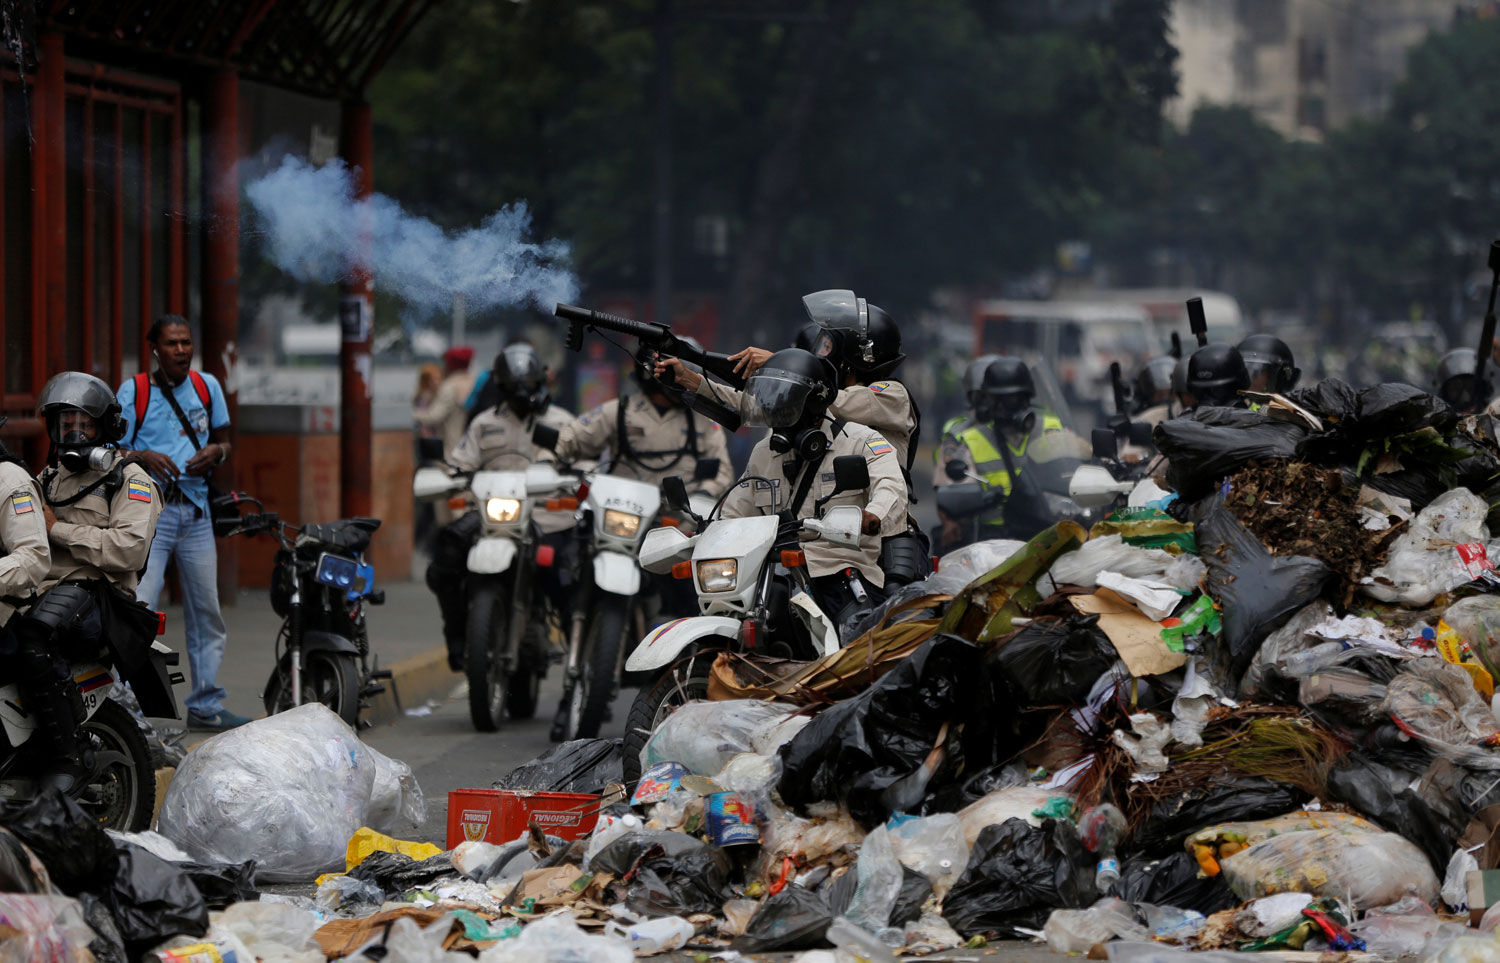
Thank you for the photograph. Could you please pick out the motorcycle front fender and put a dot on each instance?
(491, 556)
(616, 573)
(663, 644)
(327, 642)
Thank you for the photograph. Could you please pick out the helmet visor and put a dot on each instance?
(1262, 374)
(775, 398)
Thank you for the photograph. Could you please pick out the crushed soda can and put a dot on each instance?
(657, 781)
(731, 820)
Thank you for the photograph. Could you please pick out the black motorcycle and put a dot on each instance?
(320, 586)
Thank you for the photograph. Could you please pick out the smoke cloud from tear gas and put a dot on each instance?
(312, 223)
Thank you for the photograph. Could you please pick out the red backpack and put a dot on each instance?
(143, 399)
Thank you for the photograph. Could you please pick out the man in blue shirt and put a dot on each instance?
(180, 445)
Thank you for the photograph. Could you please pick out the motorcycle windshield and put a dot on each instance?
(775, 399)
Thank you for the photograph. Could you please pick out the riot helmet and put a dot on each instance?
(1216, 375)
(1270, 363)
(1456, 383)
(521, 378)
(83, 420)
(974, 375)
(1004, 392)
(1153, 384)
(807, 336)
(790, 394)
(860, 338)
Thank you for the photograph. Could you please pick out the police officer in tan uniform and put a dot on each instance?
(100, 511)
(650, 436)
(498, 439)
(790, 394)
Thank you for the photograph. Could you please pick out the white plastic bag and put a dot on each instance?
(1014, 802)
(1155, 598)
(557, 939)
(1423, 562)
(704, 736)
(272, 931)
(1109, 553)
(1370, 869)
(1146, 743)
(1456, 880)
(933, 846)
(286, 791)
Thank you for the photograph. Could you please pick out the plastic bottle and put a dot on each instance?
(649, 937)
(859, 942)
(1101, 829)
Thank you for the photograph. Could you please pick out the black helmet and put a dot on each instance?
(77, 391)
(858, 337)
(974, 374)
(791, 390)
(1004, 391)
(1269, 357)
(1154, 379)
(1216, 374)
(807, 336)
(521, 378)
(1456, 383)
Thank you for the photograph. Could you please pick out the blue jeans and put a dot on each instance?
(189, 535)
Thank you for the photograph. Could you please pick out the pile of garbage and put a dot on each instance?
(1257, 714)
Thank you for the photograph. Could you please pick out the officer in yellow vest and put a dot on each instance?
(1000, 392)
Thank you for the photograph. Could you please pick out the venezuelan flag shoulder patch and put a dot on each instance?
(880, 386)
(22, 503)
(879, 446)
(138, 491)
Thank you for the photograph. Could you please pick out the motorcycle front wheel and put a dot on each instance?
(677, 685)
(485, 665)
(331, 678)
(604, 636)
(122, 796)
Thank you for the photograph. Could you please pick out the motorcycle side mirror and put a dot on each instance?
(430, 449)
(850, 474)
(1094, 487)
(1140, 433)
(674, 493)
(956, 470)
(545, 436)
(707, 469)
(1106, 445)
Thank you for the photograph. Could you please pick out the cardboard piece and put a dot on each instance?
(1484, 892)
(1135, 637)
(1483, 831)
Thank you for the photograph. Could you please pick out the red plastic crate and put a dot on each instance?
(500, 815)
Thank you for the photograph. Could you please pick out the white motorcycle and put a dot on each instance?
(506, 636)
(613, 515)
(754, 592)
(121, 789)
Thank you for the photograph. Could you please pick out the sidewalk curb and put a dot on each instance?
(414, 681)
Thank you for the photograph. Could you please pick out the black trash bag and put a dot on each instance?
(223, 884)
(397, 873)
(1052, 663)
(152, 901)
(628, 849)
(1170, 821)
(78, 853)
(108, 946)
(867, 752)
(1380, 787)
(582, 765)
(1209, 444)
(20, 869)
(1354, 417)
(1257, 592)
(955, 796)
(1174, 880)
(915, 888)
(793, 919)
(694, 882)
(1017, 875)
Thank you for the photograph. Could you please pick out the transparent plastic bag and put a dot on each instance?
(1370, 869)
(933, 846)
(557, 939)
(48, 929)
(272, 931)
(1108, 553)
(1435, 700)
(1014, 802)
(879, 882)
(1287, 641)
(1423, 563)
(1395, 937)
(1477, 621)
(287, 791)
(704, 736)
(1077, 931)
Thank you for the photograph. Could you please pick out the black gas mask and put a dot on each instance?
(789, 395)
(1007, 409)
(78, 450)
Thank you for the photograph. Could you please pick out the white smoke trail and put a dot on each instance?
(311, 223)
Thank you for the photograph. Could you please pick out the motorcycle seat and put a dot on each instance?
(346, 534)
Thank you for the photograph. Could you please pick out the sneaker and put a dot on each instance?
(222, 721)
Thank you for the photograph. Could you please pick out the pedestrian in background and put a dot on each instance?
(177, 423)
(446, 413)
(429, 379)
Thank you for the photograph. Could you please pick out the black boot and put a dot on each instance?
(453, 604)
(58, 728)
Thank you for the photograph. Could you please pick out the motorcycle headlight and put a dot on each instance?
(502, 509)
(621, 524)
(718, 575)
